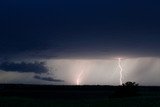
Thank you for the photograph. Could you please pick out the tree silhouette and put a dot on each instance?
(130, 84)
(127, 89)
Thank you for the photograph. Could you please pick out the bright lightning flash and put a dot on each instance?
(83, 67)
(121, 70)
(79, 77)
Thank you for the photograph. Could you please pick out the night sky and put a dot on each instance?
(36, 35)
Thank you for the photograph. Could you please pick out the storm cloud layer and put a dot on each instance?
(47, 79)
(58, 33)
(61, 29)
(24, 67)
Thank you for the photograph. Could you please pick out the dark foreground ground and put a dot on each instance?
(78, 96)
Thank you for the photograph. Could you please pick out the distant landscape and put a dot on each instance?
(76, 96)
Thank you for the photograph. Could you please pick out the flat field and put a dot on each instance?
(14, 95)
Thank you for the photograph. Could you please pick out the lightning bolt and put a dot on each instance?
(84, 67)
(79, 77)
(121, 70)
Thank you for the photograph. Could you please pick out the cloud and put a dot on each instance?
(79, 31)
(47, 79)
(24, 67)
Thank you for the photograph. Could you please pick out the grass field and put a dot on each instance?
(149, 101)
(77, 96)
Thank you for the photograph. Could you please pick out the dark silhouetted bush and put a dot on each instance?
(130, 84)
(127, 89)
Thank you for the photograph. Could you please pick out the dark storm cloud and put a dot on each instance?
(91, 28)
(24, 67)
(47, 79)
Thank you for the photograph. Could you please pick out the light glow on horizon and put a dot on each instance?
(111, 71)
